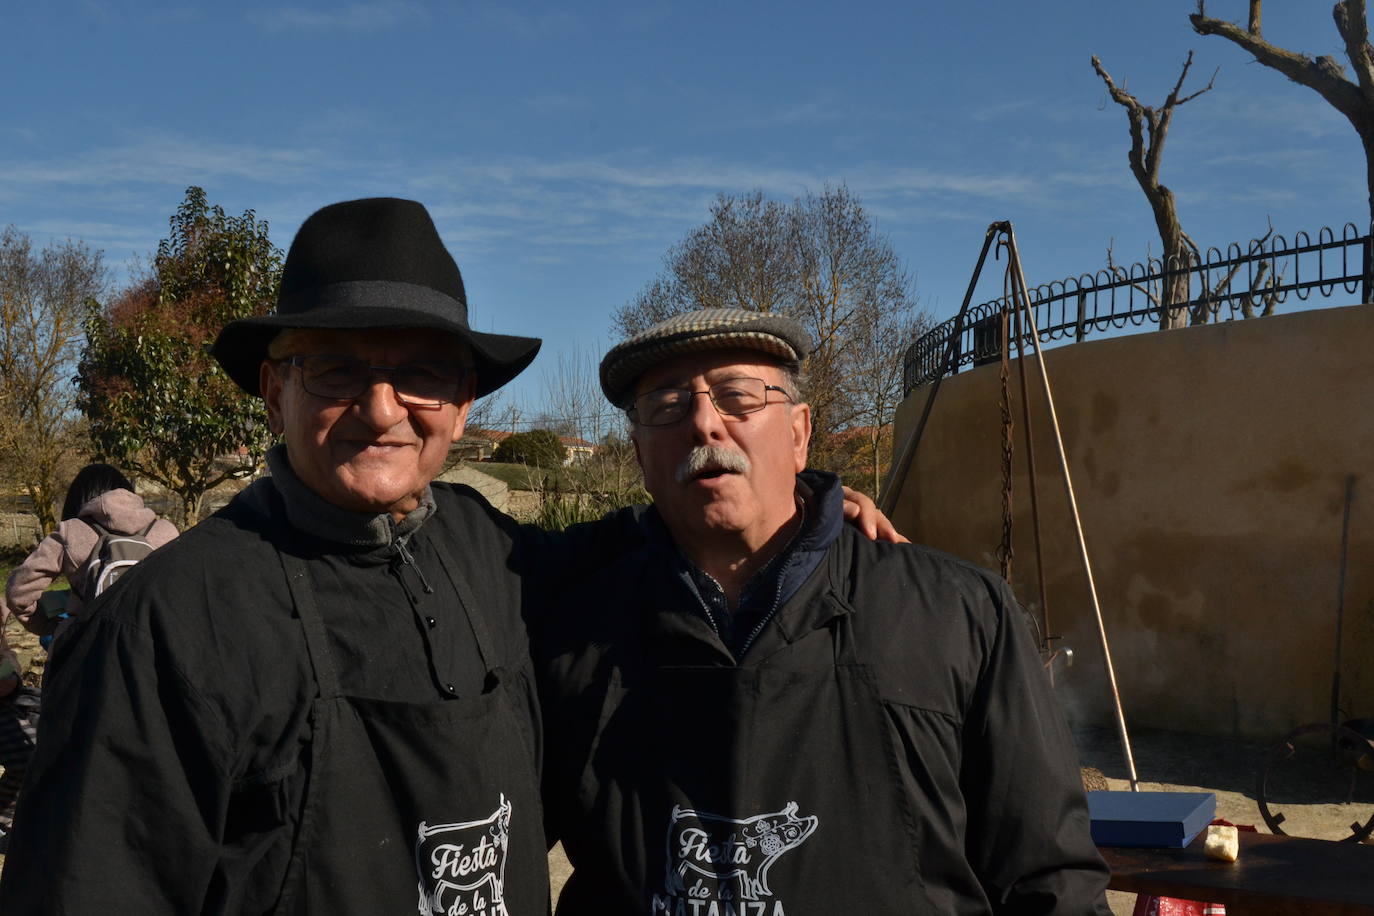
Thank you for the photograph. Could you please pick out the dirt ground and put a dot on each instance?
(1317, 794)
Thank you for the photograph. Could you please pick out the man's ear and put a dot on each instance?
(270, 384)
(801, 434)
(464, 405)
(639, 459)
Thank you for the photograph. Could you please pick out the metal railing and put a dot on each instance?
(1237, 282)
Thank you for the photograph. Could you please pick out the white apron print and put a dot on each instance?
(718, 866)
(463, 866)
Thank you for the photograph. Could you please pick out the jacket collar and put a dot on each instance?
(308, 512)
(806, 597)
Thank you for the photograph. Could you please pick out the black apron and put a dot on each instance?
(746, 790)
(410, 808)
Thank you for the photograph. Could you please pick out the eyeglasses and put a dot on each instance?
(733, 397)
(344, 378)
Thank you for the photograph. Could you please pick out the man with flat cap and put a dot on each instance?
(756, 711)
(319, 700)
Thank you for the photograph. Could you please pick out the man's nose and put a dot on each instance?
(706, 421)
(378, 405)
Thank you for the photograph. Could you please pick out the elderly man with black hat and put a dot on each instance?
(757, 711)
(319, 700)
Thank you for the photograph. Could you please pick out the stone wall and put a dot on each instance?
(1210, 467)
(18, 531)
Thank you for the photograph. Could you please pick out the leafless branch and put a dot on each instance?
(1323, 74)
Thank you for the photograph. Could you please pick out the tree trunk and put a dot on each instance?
(1174, 287)
(1149, 129)
(190, 507)
(877, 464)
(1366, 132)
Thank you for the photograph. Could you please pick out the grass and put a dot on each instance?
(8, 560)
(11, 559)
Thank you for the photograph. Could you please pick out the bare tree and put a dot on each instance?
(742, 258)
(43, 302)
(491, 412)
(819, 260)
(877, 386)
(851, 283)
(1149, 131)
(573, 403)
(1324, 75)
(1257, 301)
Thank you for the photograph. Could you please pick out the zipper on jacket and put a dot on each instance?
(706, 610)
(772, 611)
(789, 556)
(403, 559)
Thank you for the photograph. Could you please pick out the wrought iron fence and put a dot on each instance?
(1237, 282)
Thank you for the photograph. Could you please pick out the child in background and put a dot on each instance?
(99, 500)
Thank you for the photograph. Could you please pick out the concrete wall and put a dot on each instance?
(496, 491)
(1210, 468)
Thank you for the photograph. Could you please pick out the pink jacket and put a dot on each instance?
(66, 550)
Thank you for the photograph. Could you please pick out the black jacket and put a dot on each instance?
(172, 761)
(988, 800)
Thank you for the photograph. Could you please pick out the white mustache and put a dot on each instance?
(711, 456)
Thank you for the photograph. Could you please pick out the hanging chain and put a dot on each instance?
(1005, 550)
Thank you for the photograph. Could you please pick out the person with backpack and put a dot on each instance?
(105, 528)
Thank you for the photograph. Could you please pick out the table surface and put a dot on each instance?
(1274, 875)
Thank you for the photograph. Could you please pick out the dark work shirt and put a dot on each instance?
(770, 587)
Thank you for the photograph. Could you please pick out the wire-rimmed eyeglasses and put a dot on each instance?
(733, 397)
(429, 383)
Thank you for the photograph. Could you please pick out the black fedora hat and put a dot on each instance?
(369, 264)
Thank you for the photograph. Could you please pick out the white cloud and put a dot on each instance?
(356, 17)
(826, 108)
(1006, 109)
(559, 103)
(525, 25)
(161, 158)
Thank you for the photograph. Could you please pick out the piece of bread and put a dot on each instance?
(1222, 843)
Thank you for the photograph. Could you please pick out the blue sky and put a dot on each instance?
(563, 147)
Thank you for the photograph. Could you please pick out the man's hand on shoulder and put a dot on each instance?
(863, 513)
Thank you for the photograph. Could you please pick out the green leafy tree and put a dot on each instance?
(538, 448)
(157, 402)
(43, 296)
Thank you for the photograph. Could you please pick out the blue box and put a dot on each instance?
(1149, 818)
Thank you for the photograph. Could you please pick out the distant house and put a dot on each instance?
(479, 444)
(578, 451)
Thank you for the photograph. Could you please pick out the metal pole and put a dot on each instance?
(1367, 281)
(1340, 602)
(897, 473)
(1019, 280)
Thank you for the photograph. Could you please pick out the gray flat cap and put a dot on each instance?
(694, 332)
